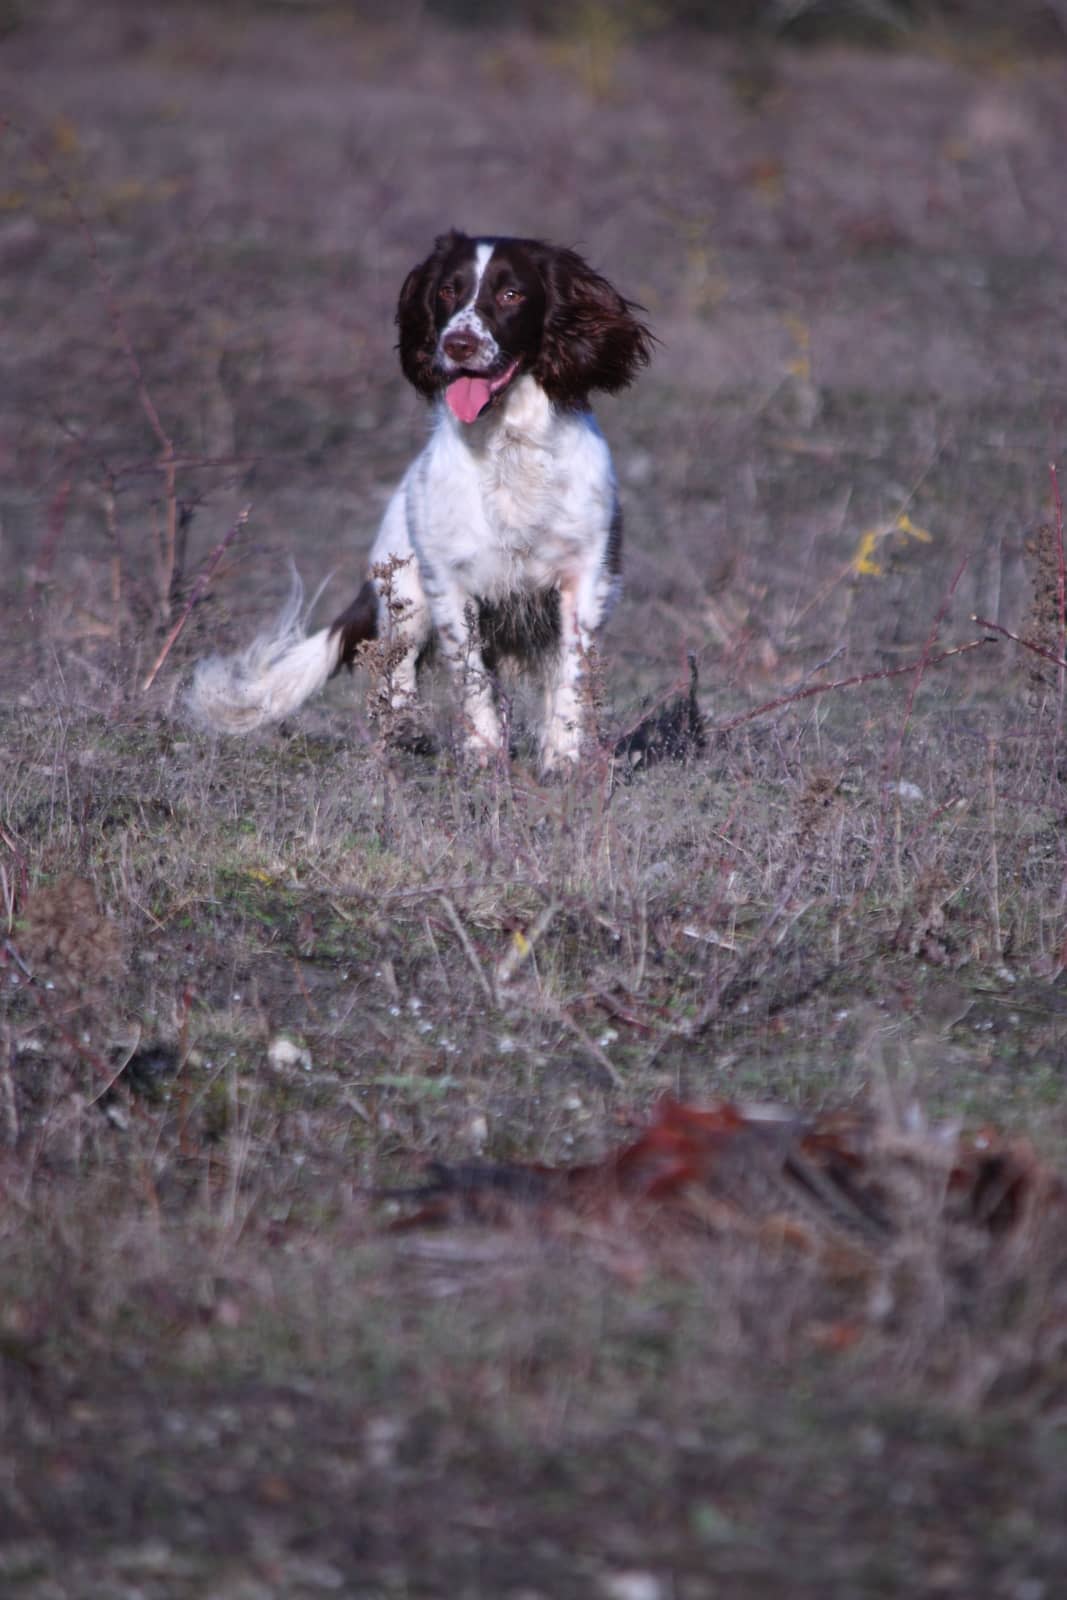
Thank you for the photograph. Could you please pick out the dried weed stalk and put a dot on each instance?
(392, 709)
(196, 594)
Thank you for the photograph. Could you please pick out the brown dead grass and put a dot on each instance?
(270, 977)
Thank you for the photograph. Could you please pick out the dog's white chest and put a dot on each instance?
(521, 506)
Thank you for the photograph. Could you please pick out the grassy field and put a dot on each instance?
(248, 983)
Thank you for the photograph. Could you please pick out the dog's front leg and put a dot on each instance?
(456, 618)
(567, 714)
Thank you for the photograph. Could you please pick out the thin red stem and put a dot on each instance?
(847, 683)
(196, 594)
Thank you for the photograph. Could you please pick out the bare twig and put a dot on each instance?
(117, 1074)
(196, 594)
(599, 1056)
(1016, 638)
(857, 678)
(468, 949)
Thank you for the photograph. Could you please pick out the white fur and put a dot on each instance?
(279, 670)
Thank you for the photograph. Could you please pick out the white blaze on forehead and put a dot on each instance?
(467, 316)
(467, 319)
(482, 256)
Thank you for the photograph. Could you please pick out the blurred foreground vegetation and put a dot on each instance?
(1027, 23)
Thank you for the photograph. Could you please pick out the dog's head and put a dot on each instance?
(480, 312)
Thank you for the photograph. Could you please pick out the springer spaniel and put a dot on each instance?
(504, 535)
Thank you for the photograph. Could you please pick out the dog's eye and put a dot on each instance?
(510, 297)
(447, 294)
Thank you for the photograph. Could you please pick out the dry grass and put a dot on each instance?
(248, 983)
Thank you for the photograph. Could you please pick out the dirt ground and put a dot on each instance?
(270, 975)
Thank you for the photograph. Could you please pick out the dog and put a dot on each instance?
(504, 537)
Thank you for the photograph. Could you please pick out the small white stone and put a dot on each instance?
(283, 1052)
(632, 1586)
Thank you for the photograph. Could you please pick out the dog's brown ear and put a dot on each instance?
(593, 338)
(415, 316)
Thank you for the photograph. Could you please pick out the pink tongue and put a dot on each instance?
(468, 397)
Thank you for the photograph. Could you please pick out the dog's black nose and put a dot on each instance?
(459, 346)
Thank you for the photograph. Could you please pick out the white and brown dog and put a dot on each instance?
(504, 535)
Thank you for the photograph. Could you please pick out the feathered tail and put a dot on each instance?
(280, 669)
